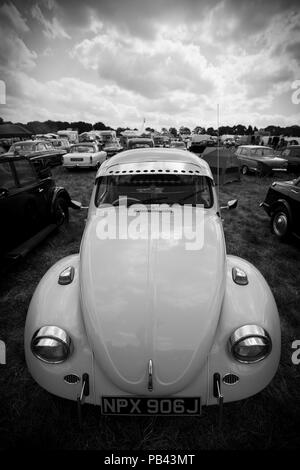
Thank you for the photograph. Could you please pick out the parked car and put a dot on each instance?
(31, 206)
(292, 155)
(111, 148)
(84, 155)
(62, 144)
(259, 159)
(178, 144)
(282, 204)
(144, 325)
(43, 149)
(140, 142)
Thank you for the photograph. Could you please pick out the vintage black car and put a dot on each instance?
(292, 154)
(282, 204)
(31, 206)
(41, 149)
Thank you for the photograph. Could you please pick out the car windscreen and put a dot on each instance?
(155, 189)
(267, 152)
(28, 147)
(83, 149)
(137, 145)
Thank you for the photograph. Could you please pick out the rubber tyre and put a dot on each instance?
(280, 223)
(60, 211)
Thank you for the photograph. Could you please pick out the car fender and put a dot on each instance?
(60, 192)
(243, 305)
(282, 202)
(58, 305)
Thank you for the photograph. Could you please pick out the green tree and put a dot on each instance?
(173, 131)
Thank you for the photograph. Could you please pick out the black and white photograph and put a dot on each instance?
(150, 228)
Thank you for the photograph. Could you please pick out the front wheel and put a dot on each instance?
(60, 211)
(244, 170)
(280, 223)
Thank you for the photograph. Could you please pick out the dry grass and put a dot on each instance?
(31, 417)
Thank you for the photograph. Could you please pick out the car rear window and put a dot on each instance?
(83, 149)
(7, 180)
(155, 189)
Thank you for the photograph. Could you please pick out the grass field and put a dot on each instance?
(30, 417)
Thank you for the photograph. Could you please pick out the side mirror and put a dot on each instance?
(77, 205)
(231, 204)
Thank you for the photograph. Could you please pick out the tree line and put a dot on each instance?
(37, 127)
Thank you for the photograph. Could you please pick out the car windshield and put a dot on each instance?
(155, 189)
(22, 147)
(178, 144)
(83, 149)
(267, 152)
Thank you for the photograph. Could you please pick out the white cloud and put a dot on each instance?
(52, 29)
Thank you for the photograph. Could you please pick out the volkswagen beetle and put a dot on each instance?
(147, 324)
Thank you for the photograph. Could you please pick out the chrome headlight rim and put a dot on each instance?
(254, 332)
(52, 333)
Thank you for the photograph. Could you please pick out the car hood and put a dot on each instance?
(152, 299)
(272, 161)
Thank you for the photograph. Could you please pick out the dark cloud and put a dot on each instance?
(294, 51)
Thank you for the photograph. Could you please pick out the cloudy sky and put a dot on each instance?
(168, 61)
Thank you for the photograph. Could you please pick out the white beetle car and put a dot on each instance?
(143, 325)
(84, 155)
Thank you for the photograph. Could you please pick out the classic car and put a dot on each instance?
(282, 204)
(141, 323)
(61, 144)
(292, 154)
(259, 159)
(84, 155)
(111, 148)
(31, 206)
(178, 144)
(139, 142)
(43, 149)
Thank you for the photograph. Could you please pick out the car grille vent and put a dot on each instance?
(230, 379)
(72, 379)
(127, 172)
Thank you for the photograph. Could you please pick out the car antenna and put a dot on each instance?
(218, 149)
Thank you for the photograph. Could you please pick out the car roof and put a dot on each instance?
(11, 157)
(256, 147)
(155, 156)
(37, 141)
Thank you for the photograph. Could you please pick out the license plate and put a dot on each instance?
(183, 406)
(76, 159)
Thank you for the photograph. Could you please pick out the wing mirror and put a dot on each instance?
(77, 205)
(3, 192)
(230, 204)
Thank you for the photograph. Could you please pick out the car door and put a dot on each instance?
(35, 205)
(294, 201)
(10, 208)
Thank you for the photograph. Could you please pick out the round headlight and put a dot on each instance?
(250, 343)
(51, 344)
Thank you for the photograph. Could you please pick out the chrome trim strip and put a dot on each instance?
(150, 376)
